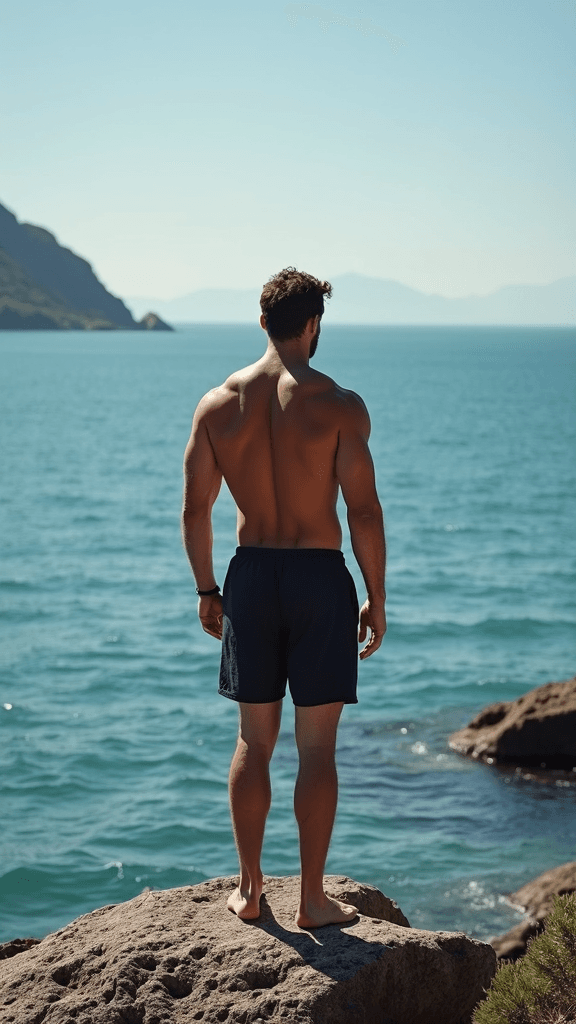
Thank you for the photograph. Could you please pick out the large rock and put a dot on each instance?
(537, 730)
(536, 899)
(180, 956)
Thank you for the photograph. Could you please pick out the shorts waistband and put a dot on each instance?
(330, 553)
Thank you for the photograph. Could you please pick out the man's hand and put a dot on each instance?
(210, 615)
(372, 617)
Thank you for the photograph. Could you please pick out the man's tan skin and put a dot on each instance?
(285, 438)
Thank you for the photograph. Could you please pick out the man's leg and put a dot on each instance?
(315, 799)
(249, 787)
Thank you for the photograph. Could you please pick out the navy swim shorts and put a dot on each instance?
(289, 614)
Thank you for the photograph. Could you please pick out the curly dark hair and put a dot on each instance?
(288, 301)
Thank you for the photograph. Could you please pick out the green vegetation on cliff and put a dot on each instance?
(43, 286)
(541, 987)
(25, 305)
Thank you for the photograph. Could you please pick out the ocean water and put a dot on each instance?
(114, 745)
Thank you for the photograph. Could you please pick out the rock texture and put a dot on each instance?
(536, 898)
(181, 956)
(537, 730)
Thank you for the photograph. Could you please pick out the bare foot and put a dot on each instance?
(329, 911)
(245, 903)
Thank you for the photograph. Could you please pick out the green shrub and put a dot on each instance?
(541, 987)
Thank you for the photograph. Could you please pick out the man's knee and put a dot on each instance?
(259, 723)
(317, 760)
(256, 746)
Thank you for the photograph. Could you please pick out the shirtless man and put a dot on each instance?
(285, 438)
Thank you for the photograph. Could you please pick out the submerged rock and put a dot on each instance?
(536, 730)
(179, 955)
(536, 899)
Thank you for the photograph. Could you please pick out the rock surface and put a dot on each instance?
(180, 956)
(538, 729)
(536, 898)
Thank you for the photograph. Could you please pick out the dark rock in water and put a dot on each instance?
(536, 898)
(536, 730)
(152, 322)
(514, 943)
(180, 956)
(8, 949)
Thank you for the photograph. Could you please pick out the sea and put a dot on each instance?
(114, 744)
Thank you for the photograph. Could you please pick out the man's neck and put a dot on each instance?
(290, 355)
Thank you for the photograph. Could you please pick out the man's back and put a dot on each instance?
(274, 432)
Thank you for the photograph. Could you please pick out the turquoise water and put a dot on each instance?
(114, 743)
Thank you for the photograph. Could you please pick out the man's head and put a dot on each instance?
(289, 300)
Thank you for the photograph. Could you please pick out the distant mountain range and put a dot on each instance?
(373, 300)
(45, 286)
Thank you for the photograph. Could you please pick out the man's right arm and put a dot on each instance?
(355, 473)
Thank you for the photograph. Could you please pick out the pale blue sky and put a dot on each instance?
(185, 145)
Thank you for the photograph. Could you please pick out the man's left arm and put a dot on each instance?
(202, 480)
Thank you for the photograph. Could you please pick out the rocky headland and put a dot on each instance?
(179, 956)
(44, 286)
(537, 730)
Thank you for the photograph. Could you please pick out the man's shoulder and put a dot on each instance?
(343, 400)
(220, 396)
(347, 411)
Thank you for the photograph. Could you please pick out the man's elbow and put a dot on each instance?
(366, 513)
(192, 515)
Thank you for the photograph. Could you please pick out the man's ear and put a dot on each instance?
(263, 322)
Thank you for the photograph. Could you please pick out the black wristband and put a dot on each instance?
(208, 593)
